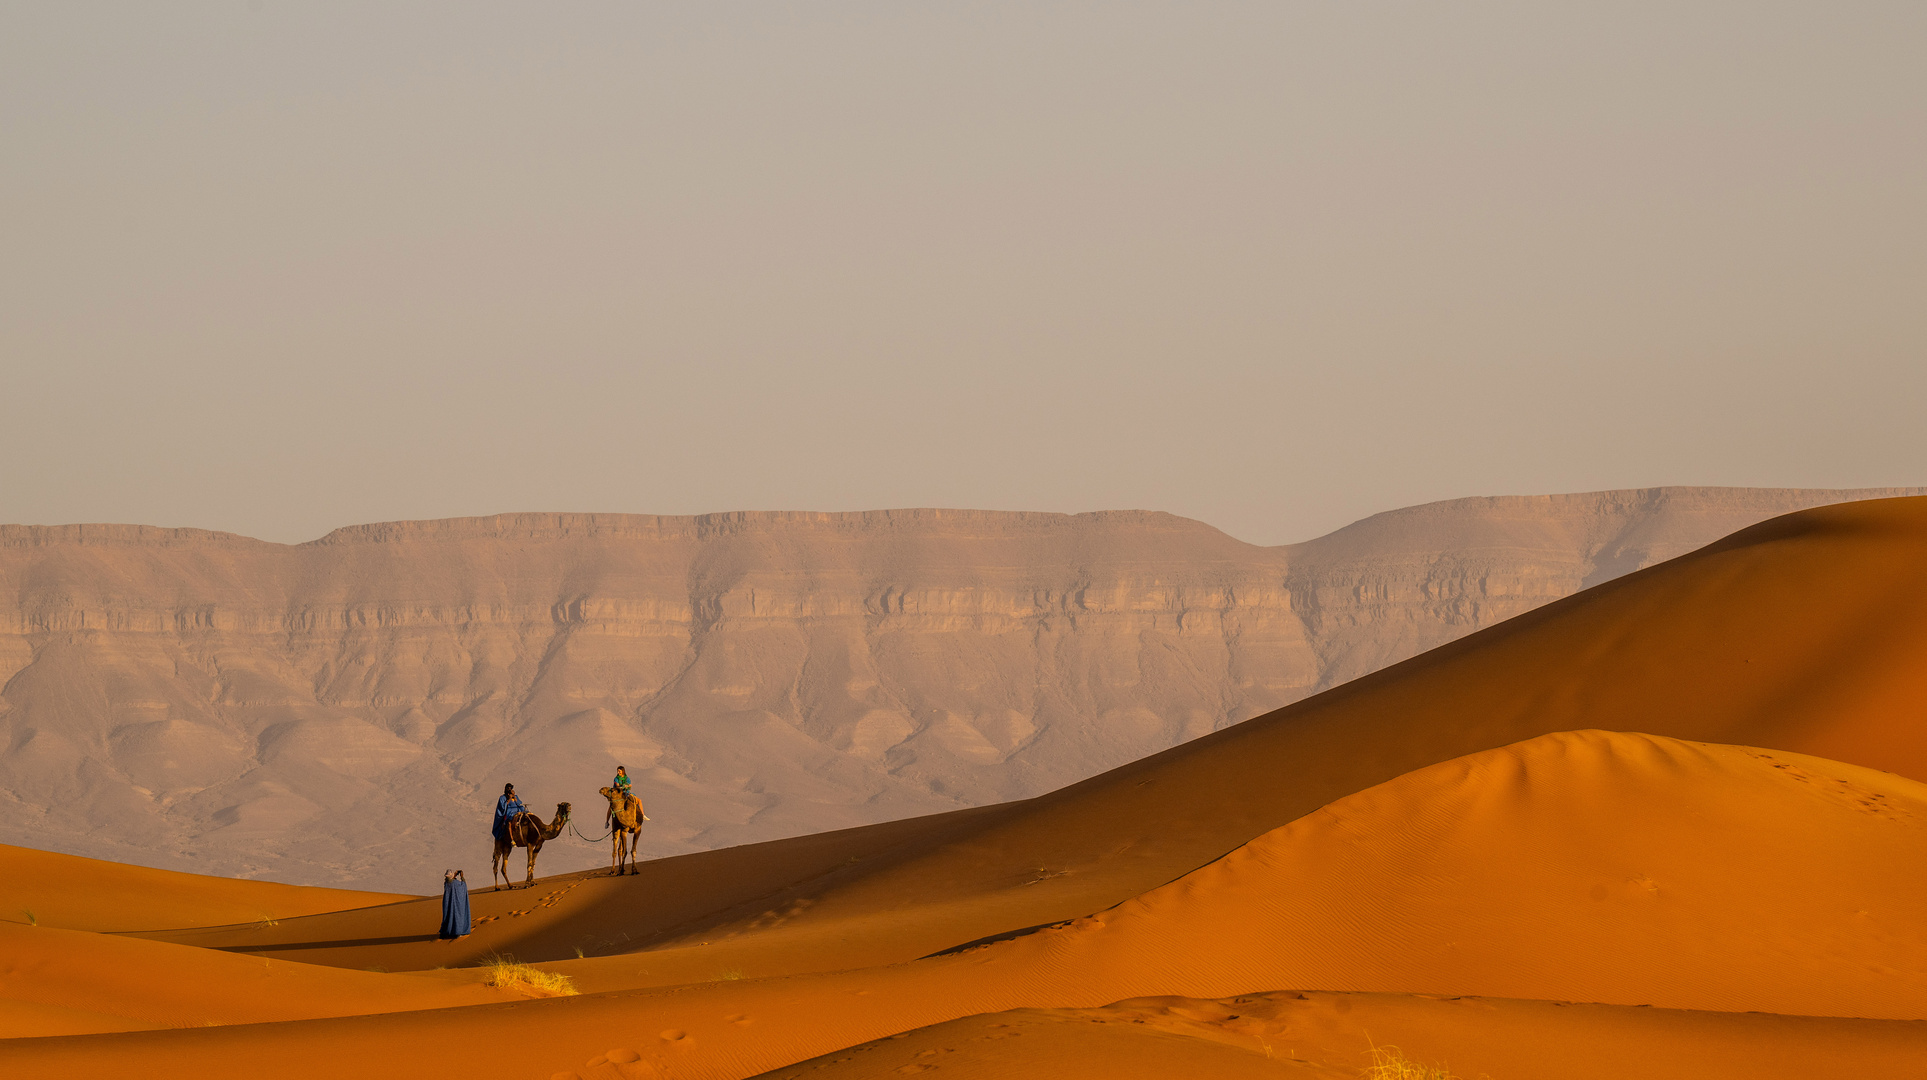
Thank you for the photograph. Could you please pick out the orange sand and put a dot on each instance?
(1325, 1036)
(73, 893)
(1583, 866)
(1446, 827)
(127, 983)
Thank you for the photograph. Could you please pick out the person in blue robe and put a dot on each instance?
(506, 809)
(455, 921)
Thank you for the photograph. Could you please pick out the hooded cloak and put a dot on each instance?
(455, 922)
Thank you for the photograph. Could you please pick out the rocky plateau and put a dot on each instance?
(344, 711)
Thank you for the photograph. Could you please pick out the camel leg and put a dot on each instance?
(534, 849)
(498, 865)
(615, 847)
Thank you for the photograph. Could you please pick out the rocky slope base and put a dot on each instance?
(344, 711)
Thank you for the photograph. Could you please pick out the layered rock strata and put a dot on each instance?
(344, 711)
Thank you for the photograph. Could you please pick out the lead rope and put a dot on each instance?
(598, 839)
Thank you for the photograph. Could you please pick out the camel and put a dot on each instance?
(625, 828)
(526, 830)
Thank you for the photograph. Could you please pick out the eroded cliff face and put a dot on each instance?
(346, 710)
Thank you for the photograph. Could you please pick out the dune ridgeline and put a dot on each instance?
(1672, 826)
(343, 712)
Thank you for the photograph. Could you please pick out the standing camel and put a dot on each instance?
(625, 827)
(526, 830)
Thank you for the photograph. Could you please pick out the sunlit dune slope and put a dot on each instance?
(88, 894)
(1592, 866)
(1579, 866)
(1318, 1035)
(1806, 633)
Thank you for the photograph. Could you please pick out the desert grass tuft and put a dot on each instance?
(1388, 1063)
(32, 919)
(505, 973)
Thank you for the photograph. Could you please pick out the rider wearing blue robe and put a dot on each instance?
(506, 809)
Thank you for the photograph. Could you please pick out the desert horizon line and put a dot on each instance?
(719, 520)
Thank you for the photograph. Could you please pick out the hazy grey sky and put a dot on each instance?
(274, 267)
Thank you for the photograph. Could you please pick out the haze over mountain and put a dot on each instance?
(343, 711)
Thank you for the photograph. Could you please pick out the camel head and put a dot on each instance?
(554, 828)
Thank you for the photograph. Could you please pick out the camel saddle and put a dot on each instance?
(524, 820)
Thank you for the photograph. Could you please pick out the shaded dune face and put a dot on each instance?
(343, 711)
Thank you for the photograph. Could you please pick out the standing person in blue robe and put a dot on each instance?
(455, 922)
(506, 809)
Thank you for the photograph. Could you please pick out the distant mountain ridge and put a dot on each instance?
(343, 711)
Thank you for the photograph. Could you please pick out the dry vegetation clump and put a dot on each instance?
(1388, 1063)
(504, 973)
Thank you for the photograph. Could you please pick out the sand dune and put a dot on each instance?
(1704, 877)
(127, 983)
(1580, 866)
(1685, 794)
(49, 889)
(1325, 1036)
(343, 711)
